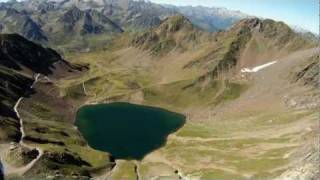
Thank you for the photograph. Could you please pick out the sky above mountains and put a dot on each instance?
(302, 13)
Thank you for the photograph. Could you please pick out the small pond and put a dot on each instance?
(125, 130)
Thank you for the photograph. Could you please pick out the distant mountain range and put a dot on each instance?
(210, 18)
(80, 24)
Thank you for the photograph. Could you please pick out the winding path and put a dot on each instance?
(22, 170)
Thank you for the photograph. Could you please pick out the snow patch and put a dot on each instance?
(257, 68)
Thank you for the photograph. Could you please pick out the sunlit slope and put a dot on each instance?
(239, 125)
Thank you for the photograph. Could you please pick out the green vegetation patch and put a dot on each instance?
(185, 93)
(231, 92)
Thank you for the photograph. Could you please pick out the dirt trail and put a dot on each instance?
(22, 170)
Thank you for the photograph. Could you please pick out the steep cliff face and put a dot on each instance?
(20, 60)
(18, 53)
(13, 85)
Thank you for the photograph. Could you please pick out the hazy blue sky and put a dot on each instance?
(304, 13)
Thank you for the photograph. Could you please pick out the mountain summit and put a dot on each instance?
(174, 33)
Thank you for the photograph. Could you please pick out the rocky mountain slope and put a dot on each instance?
(251, 42)
(78, 27)
(20, 59)
(307, 73)
(34, 122)
(174, 33)
(19, 22)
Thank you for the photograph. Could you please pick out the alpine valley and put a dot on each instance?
(133, 90)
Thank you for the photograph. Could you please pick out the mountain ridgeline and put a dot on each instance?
(18, 22)
(255, 41)
(248, 42)
(210, 19)
(174, 33)
(76, 25)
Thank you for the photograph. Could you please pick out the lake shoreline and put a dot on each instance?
(146, 139)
